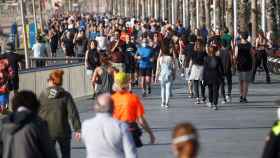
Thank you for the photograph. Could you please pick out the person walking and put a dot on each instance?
(244, 60)
(185, 141)
(23, 134)
(128, 108)
(40, 51)
(57, 108)
(103, 77)
(213, 76)
(261, 56)
(105, 136)
(145, 55)
(165, 73)
(117, 55)
(68, 45)
(196, 68)
(227, 60)
(81, 43)
(92, 60)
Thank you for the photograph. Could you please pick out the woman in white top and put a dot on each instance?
(165, 74)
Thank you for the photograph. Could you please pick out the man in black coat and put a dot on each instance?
(22, 133)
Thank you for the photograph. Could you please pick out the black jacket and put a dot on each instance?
(25, 135)
(213, 72)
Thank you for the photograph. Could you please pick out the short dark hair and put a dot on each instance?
(226, 30)
(244, 35)
(26, 99)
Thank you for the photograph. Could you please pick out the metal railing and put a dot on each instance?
(55, 61)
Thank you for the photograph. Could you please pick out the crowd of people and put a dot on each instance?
(120, 54)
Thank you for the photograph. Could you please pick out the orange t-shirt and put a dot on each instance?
(127, 107)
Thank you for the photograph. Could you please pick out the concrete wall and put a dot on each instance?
(75, 80)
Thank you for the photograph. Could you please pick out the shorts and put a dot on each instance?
(245, 76)
(146, 71)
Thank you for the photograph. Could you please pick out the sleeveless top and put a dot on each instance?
(105, 82)
(244, 58)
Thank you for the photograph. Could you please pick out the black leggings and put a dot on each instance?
(213, 90)
(261, 58)
(228, 78)
(196, 84)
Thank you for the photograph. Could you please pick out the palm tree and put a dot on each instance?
(229, 15)
(271, 20)
(193, 13)
(207, 14)
(254, 20)
(243, 16)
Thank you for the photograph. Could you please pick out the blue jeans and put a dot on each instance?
(165, 91)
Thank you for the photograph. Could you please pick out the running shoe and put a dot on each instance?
(209, 105)
(228, 99)
(197, 101)
(215, 107)
(144, 94)
(245, 100)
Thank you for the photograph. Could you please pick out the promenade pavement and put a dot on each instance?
(234, 131)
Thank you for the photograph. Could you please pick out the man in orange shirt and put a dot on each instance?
(128, 108)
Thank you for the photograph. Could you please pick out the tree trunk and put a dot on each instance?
(207, 14)
(254, 20)
(193, 12)
(271, 20)
(229, 15)
(242, 18)
(217, 12)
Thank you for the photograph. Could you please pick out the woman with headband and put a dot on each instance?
(185, 141)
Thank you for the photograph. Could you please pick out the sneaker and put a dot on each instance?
(241, 99)
(215, 107)
(228, 99)
(162, 105)
(245, 100)
(197, 101)
(182, 75)
(209, 105)
(149, 90)
(144, 94)
(166, 106)
(224, 101)
(203, 101)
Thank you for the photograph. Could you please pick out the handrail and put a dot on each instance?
(57, 58)
(61, 66)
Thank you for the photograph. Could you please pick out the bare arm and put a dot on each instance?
(142, 121)
(86, 58)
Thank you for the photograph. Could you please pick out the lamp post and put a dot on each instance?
(22, 7)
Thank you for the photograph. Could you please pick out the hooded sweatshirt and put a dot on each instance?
(57, 108)
(24, 135)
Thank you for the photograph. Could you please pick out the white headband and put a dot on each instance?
(184, 138)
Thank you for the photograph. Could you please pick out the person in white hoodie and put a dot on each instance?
(104, 136)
